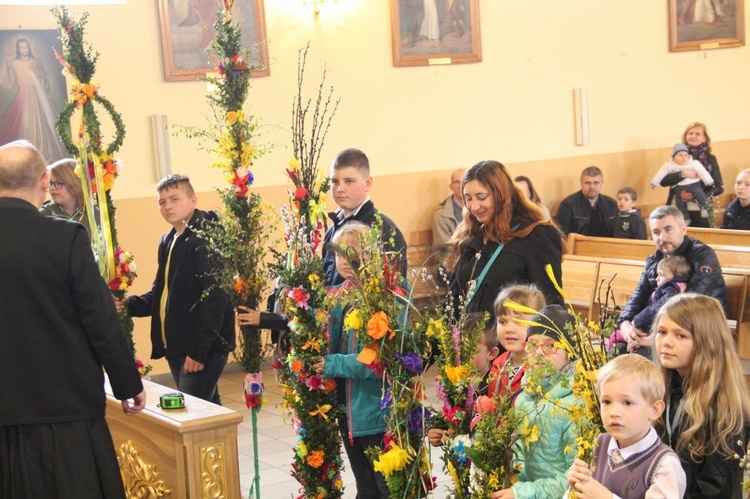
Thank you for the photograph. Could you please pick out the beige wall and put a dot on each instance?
(417, 124)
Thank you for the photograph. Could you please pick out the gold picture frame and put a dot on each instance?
(706, 24)
(187, 31)
(432, 32)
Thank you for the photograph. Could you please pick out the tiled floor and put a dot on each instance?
(276, 439)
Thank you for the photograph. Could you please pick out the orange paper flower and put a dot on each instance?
(297, 365)
(315, 458)
(367, 355)
(377, 326)
(240, 285)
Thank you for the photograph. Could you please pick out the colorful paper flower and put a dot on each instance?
(394, 460)
(353, 320)
(315, 458)
(299, 296)
(377, 326)
(411, 362)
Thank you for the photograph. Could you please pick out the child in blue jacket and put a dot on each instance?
(359, 389)
(545, 462)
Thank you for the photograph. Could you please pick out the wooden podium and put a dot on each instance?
(183, 453)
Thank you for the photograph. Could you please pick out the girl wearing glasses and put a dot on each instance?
(544, 462)
(66, 193)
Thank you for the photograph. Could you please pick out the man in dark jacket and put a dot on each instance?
(670, 236)
(192, 320)
(588, 211)
(350, 183)
(58, 328)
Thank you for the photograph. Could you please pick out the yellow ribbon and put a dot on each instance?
(322, 410)
(101, 241)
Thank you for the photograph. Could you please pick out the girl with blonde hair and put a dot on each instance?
(707, 399)
(503, 239)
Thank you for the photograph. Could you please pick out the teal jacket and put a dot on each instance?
(544, 465)
(362, 387)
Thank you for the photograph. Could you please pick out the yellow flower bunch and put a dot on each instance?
(529, 435)
(314, 280)
(456, 373)
(228, 147)
(394, 460)
(248, 155)
(434, 328)
(353, 320)
(235, 117)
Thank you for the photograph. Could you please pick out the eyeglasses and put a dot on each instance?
(56, 185)
(548, 347)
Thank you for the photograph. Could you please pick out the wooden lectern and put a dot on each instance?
(181, 453)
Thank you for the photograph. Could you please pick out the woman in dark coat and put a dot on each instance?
(696, 138)
(504, 233)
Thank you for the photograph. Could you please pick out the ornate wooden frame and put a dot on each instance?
(458, 35)
(712, 32)
(185, 60)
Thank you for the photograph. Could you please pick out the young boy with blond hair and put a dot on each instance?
(630, 460)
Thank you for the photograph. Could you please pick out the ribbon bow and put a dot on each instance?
(322, 410)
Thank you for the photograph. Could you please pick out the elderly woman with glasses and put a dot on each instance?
(66, 193)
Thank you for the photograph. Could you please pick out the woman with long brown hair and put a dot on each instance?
(503, 239)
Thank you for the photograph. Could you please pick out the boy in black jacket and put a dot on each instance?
(628, 223)
(192, 321)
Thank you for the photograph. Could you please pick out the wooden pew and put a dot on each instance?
(723, 237)
(181, 453)
(729, 256)
(583, 275)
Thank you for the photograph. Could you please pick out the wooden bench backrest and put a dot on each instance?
(737, 257)
(723, 237)
(582, 276)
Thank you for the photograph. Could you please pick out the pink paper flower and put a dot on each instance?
(300, 297)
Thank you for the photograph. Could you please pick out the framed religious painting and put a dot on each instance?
(430, 32)
(187, 31)
(706, 24)
(33, 90)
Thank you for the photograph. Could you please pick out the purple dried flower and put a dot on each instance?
(411, 362)
(385, 402)
(416, 417)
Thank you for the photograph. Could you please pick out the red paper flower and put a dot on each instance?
(252, 400)
(300, 193)
(240, 184)
(314, 382)
(454, 414)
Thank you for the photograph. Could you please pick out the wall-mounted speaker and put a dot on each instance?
(581, 111)
(162, 156)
